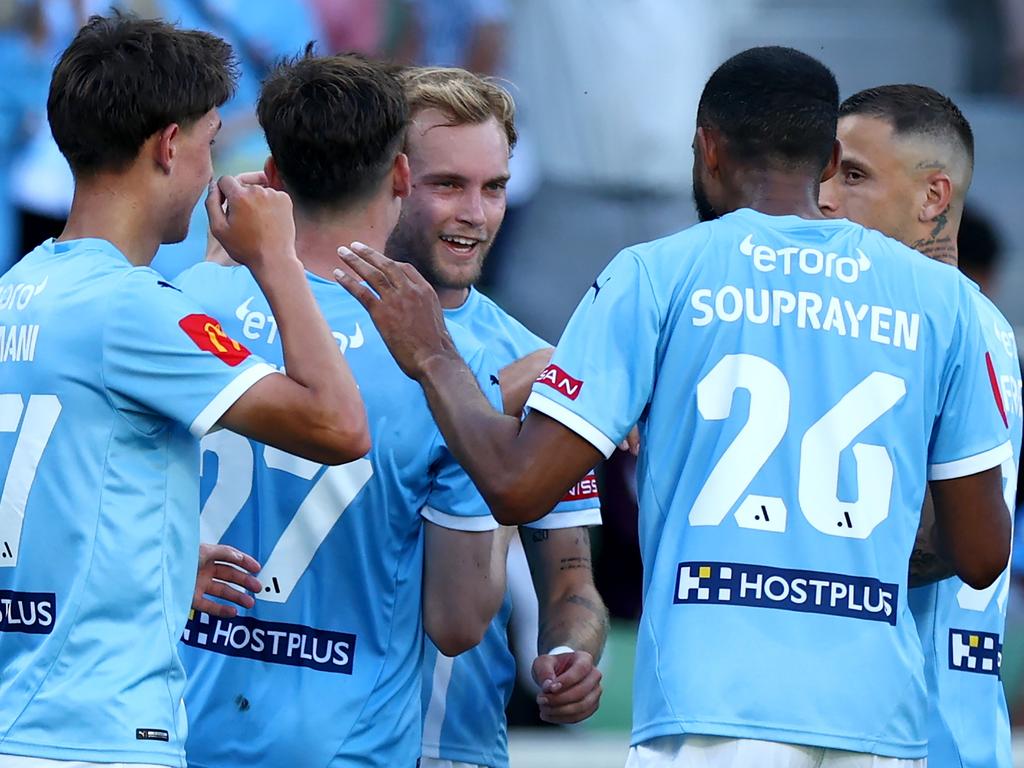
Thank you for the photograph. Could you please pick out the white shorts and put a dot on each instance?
(721, 752)
(433, 762)
(17, 761)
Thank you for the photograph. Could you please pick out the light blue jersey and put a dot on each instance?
(109, 376)
(464, 698)
(325, 670)
(962, 628)
(796, 382)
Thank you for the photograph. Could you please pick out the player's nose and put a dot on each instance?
(828, 199)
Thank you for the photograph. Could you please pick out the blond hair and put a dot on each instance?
(465, 97)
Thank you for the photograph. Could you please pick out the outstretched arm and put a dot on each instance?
(496, 453)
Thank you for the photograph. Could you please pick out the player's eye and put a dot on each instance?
(853, 176)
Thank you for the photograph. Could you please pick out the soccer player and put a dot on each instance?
(796, 380)
(908, 155)
(109, 376)
(325, 670)
(459, 141)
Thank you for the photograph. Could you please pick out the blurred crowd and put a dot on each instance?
(606, 92)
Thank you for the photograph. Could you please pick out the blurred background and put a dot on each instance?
(607, 93)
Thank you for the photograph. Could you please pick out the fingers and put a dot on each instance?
(231, 575)
(366, 270)
(395, 271)
(215, 209)
(229, 593)
(360, 292)
(230, 187)
(213, 608)
(544, 670)
(224, 553)
(253, 179)
(581, 665)
(585, 700)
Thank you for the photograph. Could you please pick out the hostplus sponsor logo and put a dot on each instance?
(972, 651)
(275, 642)
(28, 612)
(786, 589)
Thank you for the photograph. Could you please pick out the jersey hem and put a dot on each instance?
(459, 755)
(971, 465)
(474, 524)
(903, 751)
(557, 520)
(227, 397)
(92, 755)
(573, 421)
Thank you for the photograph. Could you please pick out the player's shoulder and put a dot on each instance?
(469, 346)
(498, 321)
(210, 279)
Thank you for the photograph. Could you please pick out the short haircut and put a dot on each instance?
(466, 98)
(914, 110)
(334, 125)
(775, 107)
(123, 79)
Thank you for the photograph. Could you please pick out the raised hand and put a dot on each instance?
(250, 220)
(402, 305)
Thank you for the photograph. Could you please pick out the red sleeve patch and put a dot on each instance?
(210, 337)
(583, 490)
(561, 381)
(994, 381)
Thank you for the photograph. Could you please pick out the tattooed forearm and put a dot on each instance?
(568, 563)
(539, 535)
(584, 630)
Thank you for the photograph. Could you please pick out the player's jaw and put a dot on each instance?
(456, 260)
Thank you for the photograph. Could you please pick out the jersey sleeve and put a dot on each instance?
(454, 501)
(602, 374)
(164, 356)
(970, 433)
(579, 508)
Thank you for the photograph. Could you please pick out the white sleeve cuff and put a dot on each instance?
(474, 524)
(224, 399)
(577, 424)
(972, 464)
(556, 520)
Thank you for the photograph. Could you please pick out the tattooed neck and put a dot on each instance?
(939, 245)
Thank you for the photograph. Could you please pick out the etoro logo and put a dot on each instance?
(810, 261)
(561, 381)
(210, 337)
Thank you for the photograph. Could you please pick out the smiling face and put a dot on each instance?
(876, 185)
(457, 203)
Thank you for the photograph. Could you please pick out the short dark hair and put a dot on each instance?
(334, 125)
(122, 79)
(775, 106)
(914, 110)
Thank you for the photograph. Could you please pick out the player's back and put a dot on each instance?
(325, 669)
(789, 377)
(962, 628)
(95, 578)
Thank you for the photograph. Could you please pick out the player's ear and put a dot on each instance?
(401, 176)
(832, 167)
(938, 196)
(706, 145)
(273, 174)
(165, 147)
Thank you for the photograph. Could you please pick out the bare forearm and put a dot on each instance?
(481, 439)
(578, 620)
